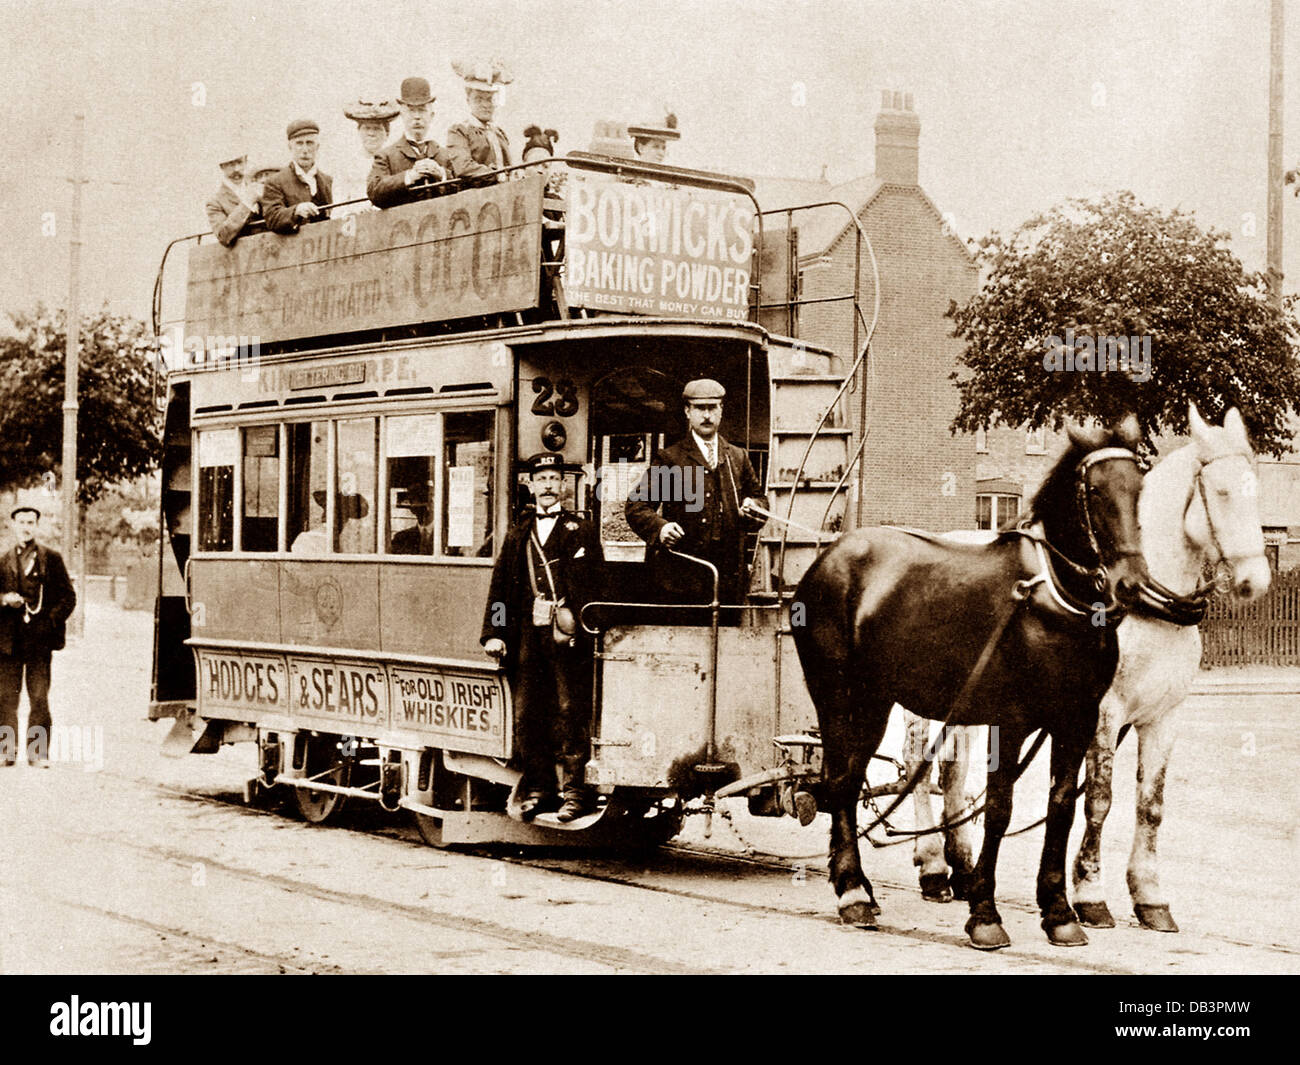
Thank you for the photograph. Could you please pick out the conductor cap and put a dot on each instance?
(703, 388)
(299, 126)
(545, 460)
(25, 510)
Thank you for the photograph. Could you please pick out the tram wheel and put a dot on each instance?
(320, 807)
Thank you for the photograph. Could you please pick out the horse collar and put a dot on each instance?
(1043, 588)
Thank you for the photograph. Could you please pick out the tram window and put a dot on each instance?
(354, 499)
(412, 451)
(467, 484)
(261, 520)
(308, 483)
(218, 449)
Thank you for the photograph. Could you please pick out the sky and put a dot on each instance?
(1023, 103)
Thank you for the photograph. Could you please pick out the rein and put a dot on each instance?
(1021, 592)
(1156, 601)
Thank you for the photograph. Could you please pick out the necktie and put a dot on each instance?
(712, 455)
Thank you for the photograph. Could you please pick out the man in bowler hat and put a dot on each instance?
(36, 598)
(696, 498)
(403, 171)
(551, 555)
(299, 192)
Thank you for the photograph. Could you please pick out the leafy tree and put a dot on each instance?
(1115, 268)
(117, 428)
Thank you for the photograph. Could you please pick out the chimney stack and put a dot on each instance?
(898, 134)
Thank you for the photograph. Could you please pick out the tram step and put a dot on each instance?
(798, 402)
(824, 461)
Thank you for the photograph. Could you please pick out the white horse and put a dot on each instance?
(1199, 505)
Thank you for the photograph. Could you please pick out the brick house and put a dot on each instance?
(914, 472)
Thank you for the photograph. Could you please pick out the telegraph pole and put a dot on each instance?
(70, 375)
(1275, 38)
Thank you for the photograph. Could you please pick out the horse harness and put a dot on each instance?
(1154, 599)
(1044, 592)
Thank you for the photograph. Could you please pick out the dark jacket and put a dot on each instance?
(46, 631)
(387, 186)
(575, 555)
(471, 151)
(284, 190)
(710, 516)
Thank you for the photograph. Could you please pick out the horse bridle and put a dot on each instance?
(1096, 574)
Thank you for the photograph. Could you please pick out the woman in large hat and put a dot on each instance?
(373, 118)
(651, 142)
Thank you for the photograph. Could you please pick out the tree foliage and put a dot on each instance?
(117, 427)
(1116, 268)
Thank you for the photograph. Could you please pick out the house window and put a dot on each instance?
(1036, 442)
(981, 442)
(995, 510)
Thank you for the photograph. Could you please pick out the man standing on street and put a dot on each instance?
(549, 563)
(696, 499)
(36, 598)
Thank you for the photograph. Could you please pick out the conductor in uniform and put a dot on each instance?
(697, 498)
(36, 599)
(550, 556)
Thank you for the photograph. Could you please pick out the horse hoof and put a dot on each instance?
(935, 887)
(858, 908)
(859, 915)
(1155, 916)
(1094, 914)
(1066, 935)
(987, 935)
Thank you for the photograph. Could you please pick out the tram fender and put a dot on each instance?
(185, 739)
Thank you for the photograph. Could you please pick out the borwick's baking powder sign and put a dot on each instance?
(648, 249)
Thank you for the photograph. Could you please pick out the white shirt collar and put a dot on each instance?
(308, 177)
(240, 191)
(554, 512)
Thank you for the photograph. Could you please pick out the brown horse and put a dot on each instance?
(1019, 633)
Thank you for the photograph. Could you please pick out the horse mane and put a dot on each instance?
(1055, 495)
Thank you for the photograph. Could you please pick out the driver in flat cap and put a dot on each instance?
(300, 191)
(696, 498)
(550, 556)
(36, 598)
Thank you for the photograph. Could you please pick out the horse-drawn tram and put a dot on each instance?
(345, 437)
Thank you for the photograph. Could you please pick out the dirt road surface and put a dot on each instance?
(122, 861)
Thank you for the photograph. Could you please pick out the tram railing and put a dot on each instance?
(850, 378)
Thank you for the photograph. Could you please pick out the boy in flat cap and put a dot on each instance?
(36, 598)
(712, 487)
(234, 206)
(479, 146)
(413, 160)
(551, 555)
(299, 192)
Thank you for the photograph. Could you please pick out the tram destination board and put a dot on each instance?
(456, 709)
(477, 252)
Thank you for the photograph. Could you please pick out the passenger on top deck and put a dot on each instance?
(479, 146)
(414, 159)
(299, 192)
(373, 117)
(540, 144)
(651, 142)
(234, 206)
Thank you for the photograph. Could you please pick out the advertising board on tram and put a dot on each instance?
(641, 248)
(460, 709)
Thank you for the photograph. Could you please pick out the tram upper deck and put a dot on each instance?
(333, 382)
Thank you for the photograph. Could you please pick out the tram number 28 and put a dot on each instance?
(565, 393)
